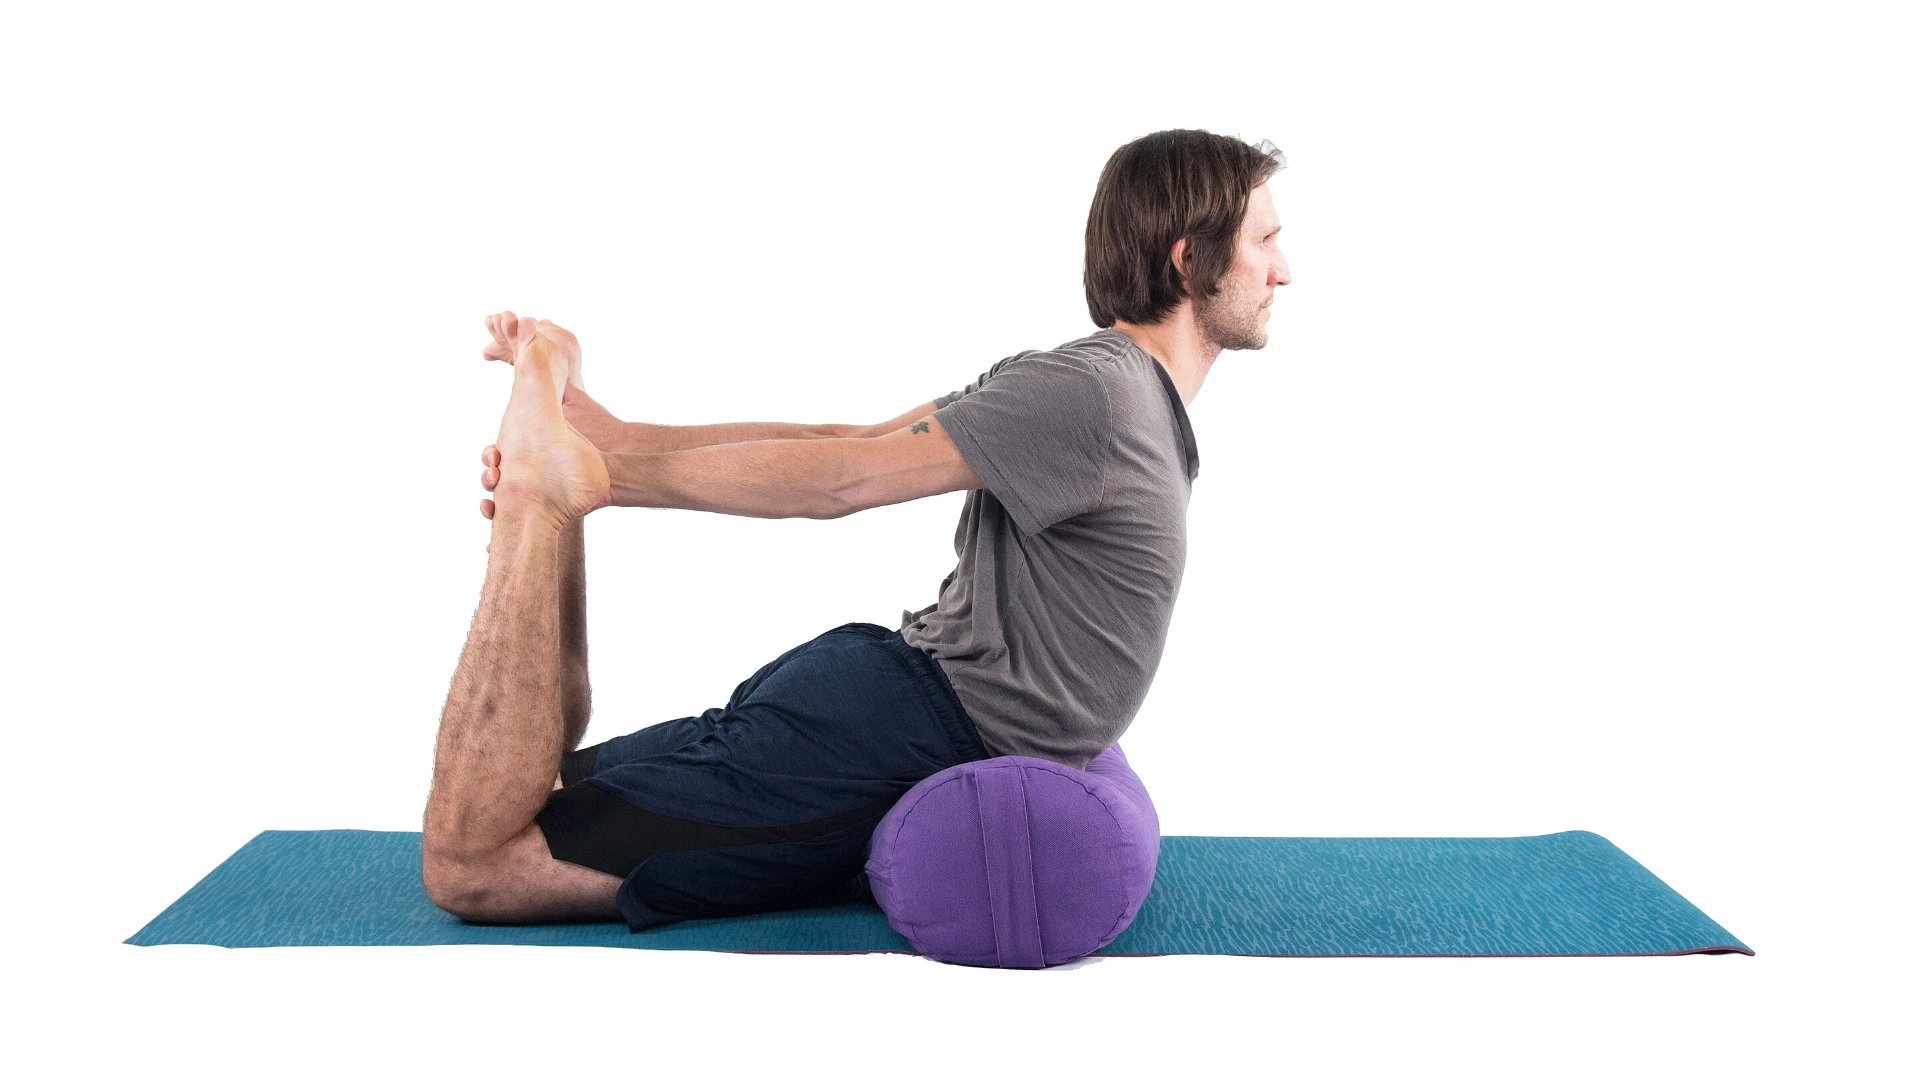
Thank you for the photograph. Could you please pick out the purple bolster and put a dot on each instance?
(1016, 862)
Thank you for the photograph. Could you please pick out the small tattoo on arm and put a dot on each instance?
(919, 427)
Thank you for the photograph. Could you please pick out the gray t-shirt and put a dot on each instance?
(1051, 627)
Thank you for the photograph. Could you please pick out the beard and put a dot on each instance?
(1230, 319)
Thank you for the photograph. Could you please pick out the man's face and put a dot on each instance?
(1236, 316)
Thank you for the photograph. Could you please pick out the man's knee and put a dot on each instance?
(461, 887)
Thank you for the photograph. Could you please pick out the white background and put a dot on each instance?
(1576, 489)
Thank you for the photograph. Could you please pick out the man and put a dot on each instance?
(1078, 462)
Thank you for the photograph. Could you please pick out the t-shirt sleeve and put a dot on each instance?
(1037, 430)
(945, 400)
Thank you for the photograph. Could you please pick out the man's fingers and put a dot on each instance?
(490, 456)
(486, 511)
(489, 478)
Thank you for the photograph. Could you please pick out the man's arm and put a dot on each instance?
(814, 478)
(611, 435)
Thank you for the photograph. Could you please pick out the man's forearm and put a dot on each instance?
(611, 435)
(633, 438)
(810, 478)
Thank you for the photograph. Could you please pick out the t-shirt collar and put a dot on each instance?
(1187, 444)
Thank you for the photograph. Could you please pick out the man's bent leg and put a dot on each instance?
(506, 719)
(500, 744)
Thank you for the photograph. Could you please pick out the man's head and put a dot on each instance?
(1185, 216)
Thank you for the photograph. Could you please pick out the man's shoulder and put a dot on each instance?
(1138, 392)
(1101, 346)
(1105, 353)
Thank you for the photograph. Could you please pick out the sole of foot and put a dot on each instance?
(540, 467)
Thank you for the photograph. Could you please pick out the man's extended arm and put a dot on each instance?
(815, 478)
(611, 435)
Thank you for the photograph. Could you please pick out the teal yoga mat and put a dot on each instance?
(1565, 894)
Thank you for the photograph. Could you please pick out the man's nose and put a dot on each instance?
(1278, 274)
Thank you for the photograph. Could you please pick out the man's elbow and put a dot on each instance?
(833, 504)
(846, 486)
(883, 490)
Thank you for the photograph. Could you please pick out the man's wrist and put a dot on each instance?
(633, 478)
(621, 437)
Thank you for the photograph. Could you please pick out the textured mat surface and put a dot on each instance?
(1565, 894)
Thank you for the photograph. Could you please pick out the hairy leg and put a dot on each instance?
(576, 688)
(506, 719)
(576, 691)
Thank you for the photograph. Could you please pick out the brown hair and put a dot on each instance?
(1156, 191)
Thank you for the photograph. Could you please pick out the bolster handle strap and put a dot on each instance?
(1001, 795)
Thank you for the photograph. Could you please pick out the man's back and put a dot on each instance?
(1052, 625)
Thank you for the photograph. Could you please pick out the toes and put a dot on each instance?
(502, 348)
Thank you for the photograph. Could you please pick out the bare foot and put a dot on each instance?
(539, 467)
(511, 333)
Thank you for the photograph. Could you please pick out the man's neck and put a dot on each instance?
(1179, 347)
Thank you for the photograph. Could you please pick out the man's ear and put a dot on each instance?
(1182, 248)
